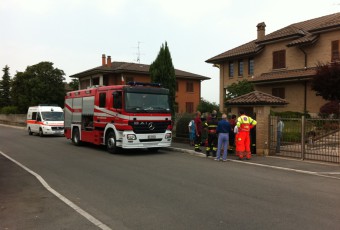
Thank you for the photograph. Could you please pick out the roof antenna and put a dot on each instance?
(138, 52)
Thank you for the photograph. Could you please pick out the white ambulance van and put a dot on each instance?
(45, 120)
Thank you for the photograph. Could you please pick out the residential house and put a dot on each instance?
(283, 62)
(188, 85)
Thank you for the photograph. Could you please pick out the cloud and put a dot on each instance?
(43, 7)
(189, 12)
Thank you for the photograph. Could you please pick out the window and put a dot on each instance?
(279, 59)
(95, 81)
(117, 99)
(105, 80)
(251, 66)
(189, 107)
(231, 69)
(240, 68)
(38, 117)
(176, 86)
(102, 100)
(129, 79)
(190, 86)
(278, 92)
(34, 115)
(335, 51)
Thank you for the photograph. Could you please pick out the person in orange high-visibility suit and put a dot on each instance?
(244, 124)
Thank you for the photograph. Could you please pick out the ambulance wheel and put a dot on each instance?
(76, 137)
(110, 142)
(41, 134)
(29, 131)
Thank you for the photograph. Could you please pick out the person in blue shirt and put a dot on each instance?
(223, 130)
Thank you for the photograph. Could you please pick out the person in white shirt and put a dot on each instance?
(280, 127)
(192, 132)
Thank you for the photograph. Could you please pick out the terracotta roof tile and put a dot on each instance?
(303, 33)
(248, 48)
(256, 98)
(282, 75)
(118, 67)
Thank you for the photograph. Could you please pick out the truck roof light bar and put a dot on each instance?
(134, 83)
(48, 105)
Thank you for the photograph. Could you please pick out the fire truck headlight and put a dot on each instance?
(167, 135)
(131, 137)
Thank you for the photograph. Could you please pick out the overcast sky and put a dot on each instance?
(73, 34)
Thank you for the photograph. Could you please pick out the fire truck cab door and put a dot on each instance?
(117, 101)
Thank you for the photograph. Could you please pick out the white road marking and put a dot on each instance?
(330, 173)
(82, 212)
(320, 174)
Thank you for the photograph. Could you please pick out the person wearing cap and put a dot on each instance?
(244, 124)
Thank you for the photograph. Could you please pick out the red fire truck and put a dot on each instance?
(136, 115)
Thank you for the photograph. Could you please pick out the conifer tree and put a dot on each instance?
(162, 71)
(5, 87)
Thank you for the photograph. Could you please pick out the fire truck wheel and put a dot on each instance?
(76, 137)
(41, 134)
(111, 142)
(29, 131)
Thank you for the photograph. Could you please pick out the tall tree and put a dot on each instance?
(74, 84)
(238, 89)
(5, 87)
(326, 82)
(39, 84)
(162, 71)
(206, 106)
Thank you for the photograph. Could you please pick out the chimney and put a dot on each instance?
(109, 64)
(261, 30)
(103, 60)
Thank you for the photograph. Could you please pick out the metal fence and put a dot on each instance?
(306, 138)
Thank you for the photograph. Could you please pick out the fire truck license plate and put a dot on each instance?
(151, 136)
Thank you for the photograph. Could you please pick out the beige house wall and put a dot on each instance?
(320, 52)
(295, 94)
(264, 61)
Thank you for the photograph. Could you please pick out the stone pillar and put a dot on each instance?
(262, 138)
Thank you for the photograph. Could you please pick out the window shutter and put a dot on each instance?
(335, 51)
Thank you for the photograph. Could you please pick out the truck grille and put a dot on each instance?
(149, 126)
(57, 128)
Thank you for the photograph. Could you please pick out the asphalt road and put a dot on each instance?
(165, 190)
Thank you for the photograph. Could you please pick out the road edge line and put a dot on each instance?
(320, 174)
(75, 207)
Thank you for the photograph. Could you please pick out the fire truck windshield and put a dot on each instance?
(52, 116)
(146, 102)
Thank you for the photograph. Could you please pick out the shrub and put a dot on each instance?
(330, 108)
(182, 125)
(289, 114)
(9, 110)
